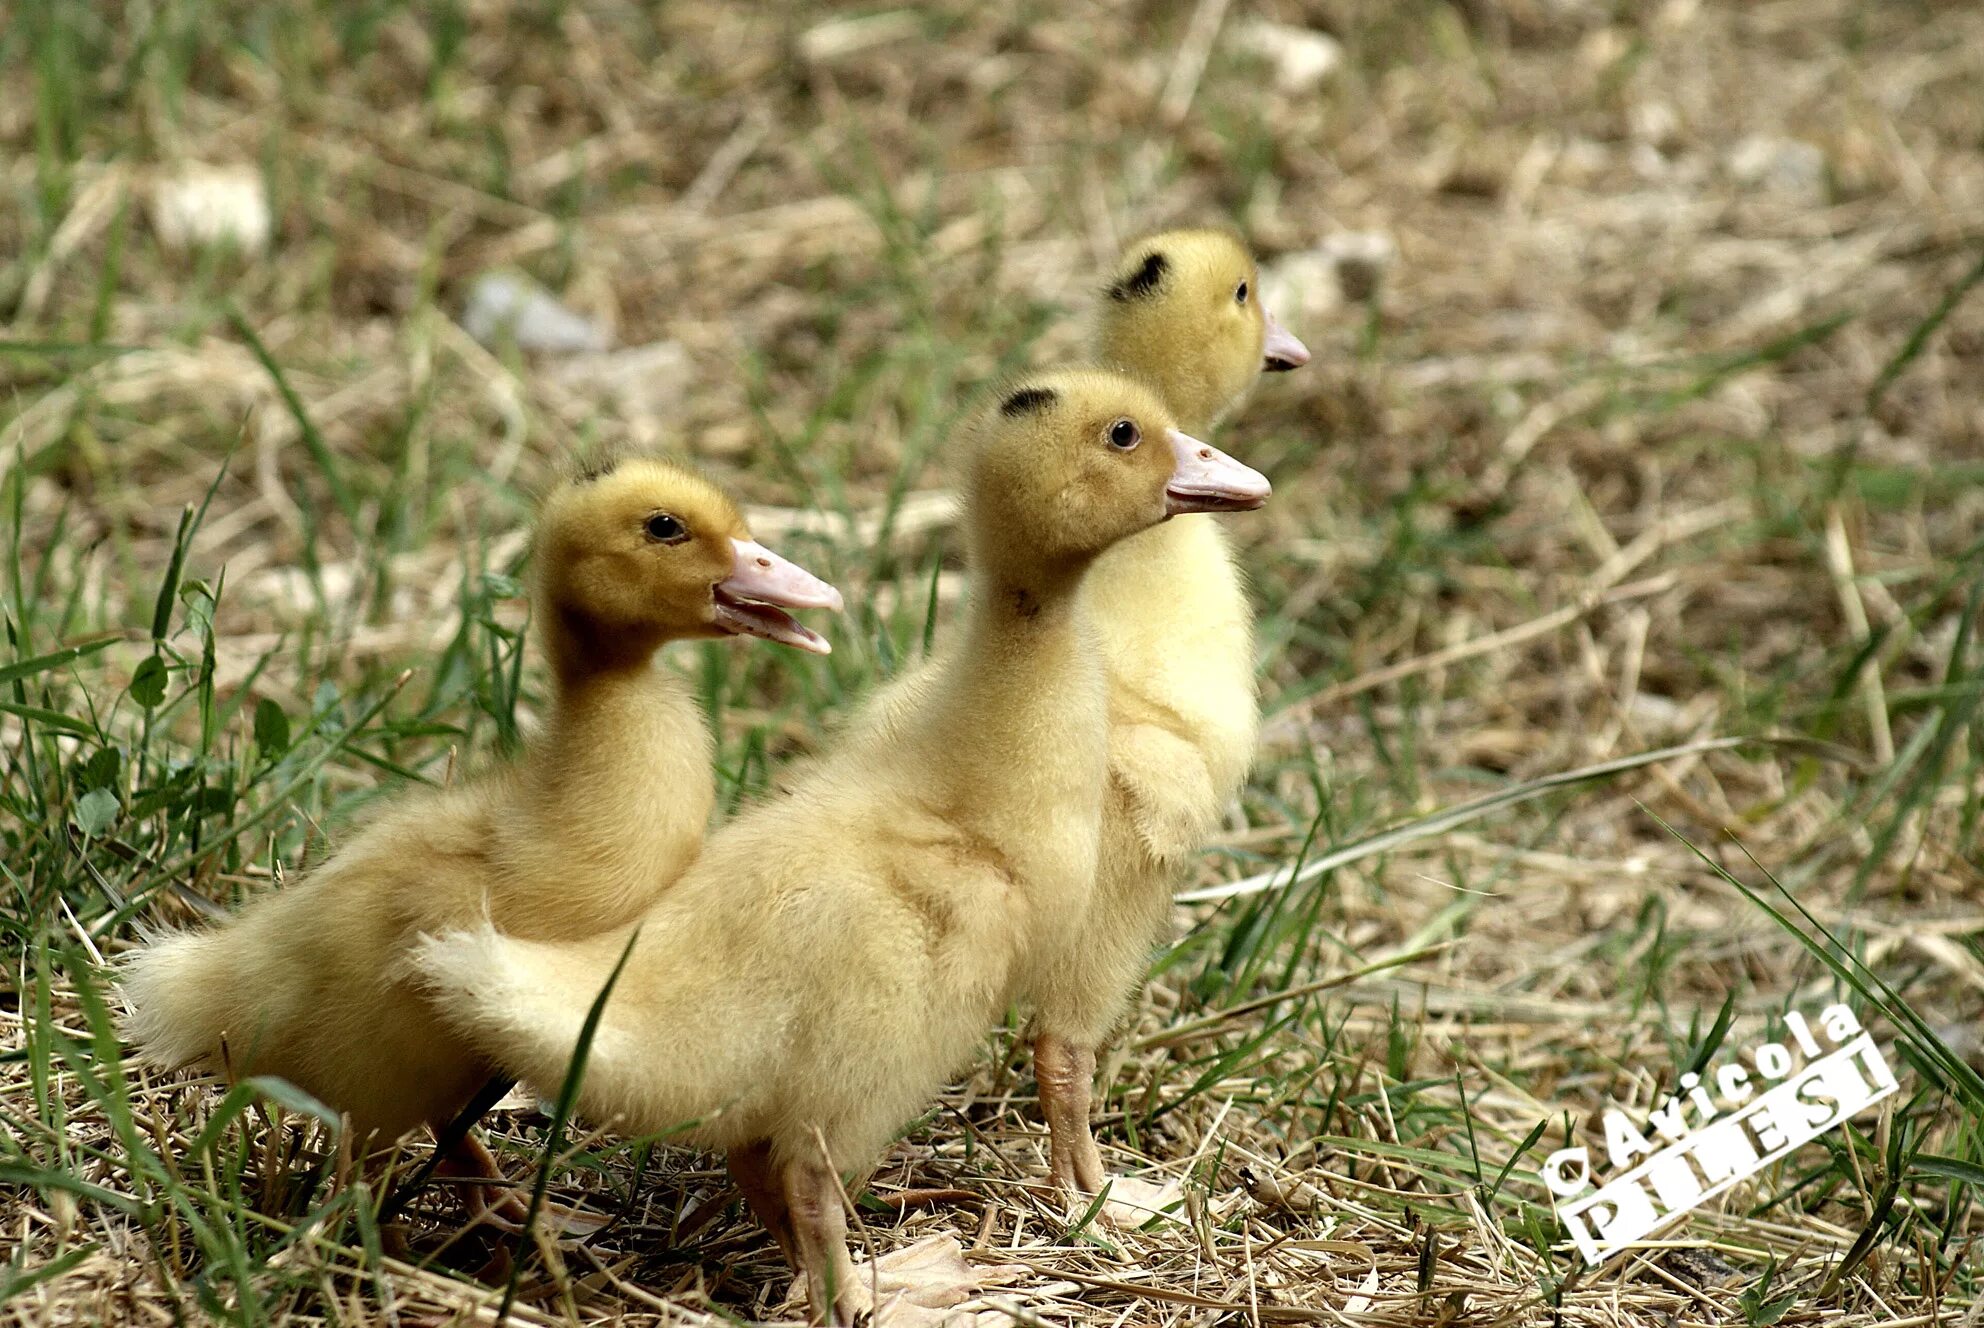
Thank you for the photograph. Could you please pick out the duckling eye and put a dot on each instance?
(665, 529)
(1123, 435)
(1240, 295)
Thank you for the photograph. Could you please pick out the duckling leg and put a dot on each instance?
(819, 1229)
(751, 1167)
(469, 1158)
(502, 1205)
(1066, 1073)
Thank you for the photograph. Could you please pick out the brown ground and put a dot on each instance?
(1656, 429)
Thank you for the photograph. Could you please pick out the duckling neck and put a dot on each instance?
(607, 721)
(581, 651)
(1178, 634)
(613, 795)
(1031, 611)
(1179, 578)
(1018, 731)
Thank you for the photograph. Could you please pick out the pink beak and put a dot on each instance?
(1207, 480)
(761, 585)
(1282, 350)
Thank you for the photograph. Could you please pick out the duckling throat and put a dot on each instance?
(580, 649)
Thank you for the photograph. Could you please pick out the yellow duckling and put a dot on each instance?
(602, 811)
(1182, 313)
(835, 954)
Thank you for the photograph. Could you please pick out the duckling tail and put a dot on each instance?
(176, 1010)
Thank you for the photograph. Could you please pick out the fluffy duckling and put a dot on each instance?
(604, 809)
(1182, 313)
(834, 955)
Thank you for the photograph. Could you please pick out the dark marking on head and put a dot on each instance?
(1143, 281)
(596, 466)
(1028, 400)
(1025, 604)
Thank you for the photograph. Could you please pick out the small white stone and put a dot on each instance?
(1582, 160)
(1783, 165)
(200, 206)
(1303, 58)
(1677, 14)
(837, 38)
(1655, 715)
(1308, 287)
(503, 304)
(1602, 48)
(1301, 289)
(1654, 122)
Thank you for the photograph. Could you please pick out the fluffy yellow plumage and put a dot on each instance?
(605, 808)
(1176, 632)
(1182, 313)
(837, 952)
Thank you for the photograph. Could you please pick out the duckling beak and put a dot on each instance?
(1282, 350)
(1205, 479)
(761, 585)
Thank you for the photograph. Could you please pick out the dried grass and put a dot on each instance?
(1562, 488)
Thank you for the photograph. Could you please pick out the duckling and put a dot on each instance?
(603, 810)
(1182, 313)
(834, 954)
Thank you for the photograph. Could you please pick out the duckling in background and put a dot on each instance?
(1183, 314)
(834, 955)
(604, 809)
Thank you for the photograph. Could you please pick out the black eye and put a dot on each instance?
(1123, 435)
(1240, 295)
(665, 529)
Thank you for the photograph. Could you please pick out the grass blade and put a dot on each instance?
(320, 451)
(1460, 814)
(54, 659)
(568, 1097)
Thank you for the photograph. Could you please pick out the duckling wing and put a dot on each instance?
(828, 960)
(1167, 790)
(524, 1002)
(686, 1034)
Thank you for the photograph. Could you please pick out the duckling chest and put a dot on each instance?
(1177, 635)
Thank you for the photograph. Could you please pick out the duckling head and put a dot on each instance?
(1064, 464)
(1183, 311)
(633, 554)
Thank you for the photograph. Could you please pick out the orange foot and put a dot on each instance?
(499, 1204)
